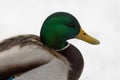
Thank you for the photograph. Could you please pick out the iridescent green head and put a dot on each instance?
(58, 28)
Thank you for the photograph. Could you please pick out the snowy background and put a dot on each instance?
(99, 18)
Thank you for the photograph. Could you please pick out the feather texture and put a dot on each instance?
(26, 52)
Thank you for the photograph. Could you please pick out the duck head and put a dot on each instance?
(61, 26)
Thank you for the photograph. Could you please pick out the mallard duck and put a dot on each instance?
(48, 56)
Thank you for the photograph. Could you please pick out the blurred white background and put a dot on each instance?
(100, 18)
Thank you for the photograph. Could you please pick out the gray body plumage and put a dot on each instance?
(26, 55)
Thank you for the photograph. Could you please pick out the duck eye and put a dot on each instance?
(70, 25)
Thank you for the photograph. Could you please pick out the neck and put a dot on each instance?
(68, 44)
(56, 44)
(60, 46)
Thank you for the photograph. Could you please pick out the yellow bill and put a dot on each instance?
(87, 38)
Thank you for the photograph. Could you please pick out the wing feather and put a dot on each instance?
(22, 53)
(25, 52)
